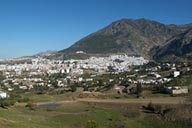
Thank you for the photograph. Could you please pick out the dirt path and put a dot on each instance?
(162, 100)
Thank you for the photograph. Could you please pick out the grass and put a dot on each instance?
(67, 116)
(73, 117)
(159, 124)
(77, 114)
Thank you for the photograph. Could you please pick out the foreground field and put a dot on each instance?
(53, 112)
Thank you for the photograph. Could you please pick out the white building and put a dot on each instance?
(177, 90)
(176, 73)
(3, 95)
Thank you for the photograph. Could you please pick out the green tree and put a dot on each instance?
(73, 87)
(4, 103)
(110, 69)
(139, 90)
(54, 83)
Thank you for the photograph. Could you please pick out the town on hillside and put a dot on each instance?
(121, 74)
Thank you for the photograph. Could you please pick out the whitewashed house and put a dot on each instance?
(177, 90)
(176, 73)
(3, 95)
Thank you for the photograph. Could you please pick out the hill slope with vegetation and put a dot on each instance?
(132, 37)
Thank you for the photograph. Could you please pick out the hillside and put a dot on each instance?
(133, 37)
(177, 48)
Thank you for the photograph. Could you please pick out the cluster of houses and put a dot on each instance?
(25, 75)
(120, 63)
(100, 64)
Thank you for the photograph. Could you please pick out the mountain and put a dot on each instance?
(132, 37)
(178, 48)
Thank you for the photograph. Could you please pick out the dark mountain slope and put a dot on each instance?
(179, 46)
(132, 37)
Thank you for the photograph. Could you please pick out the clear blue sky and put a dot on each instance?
(31, 26)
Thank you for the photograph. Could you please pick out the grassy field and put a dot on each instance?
(64, 116)
(77, 114)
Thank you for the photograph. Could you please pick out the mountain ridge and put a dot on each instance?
(179, 46)
(127, 36)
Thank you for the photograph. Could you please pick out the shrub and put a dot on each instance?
(92, 124)
(4, 103)
(73, 87)
(150, 106)
(117, 124)
(31, 105)
(158, 109)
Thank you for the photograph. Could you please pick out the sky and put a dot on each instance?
(28, 27)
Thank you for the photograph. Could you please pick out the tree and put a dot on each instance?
(139, 90)
(86, 88)
(4, 103)
(73, 87)
(110, 69)
(54, 83)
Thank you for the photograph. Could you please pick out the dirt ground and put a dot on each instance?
(162, 100)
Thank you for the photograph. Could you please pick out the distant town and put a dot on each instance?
(25, 74)
(31, 73)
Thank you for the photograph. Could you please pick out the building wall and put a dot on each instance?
(180, 91)
(3, 95)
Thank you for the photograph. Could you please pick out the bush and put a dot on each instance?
(182, 114)
(150, 107)
(73, 87)
(4, 103)
(158, 109)
(92, 124)
(117, 124)
(31, 105)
